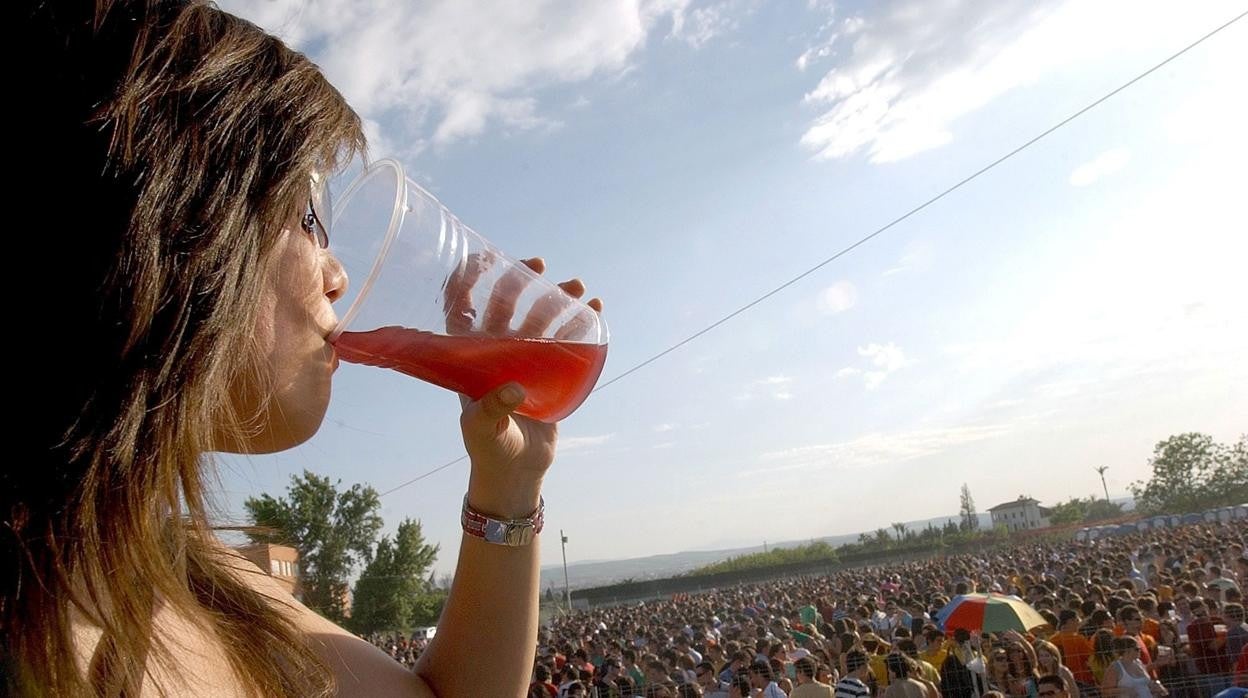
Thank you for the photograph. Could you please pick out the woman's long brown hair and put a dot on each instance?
(163, 145)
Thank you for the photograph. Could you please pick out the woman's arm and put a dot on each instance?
(487, 634)
(1068, 678)
(1109, 682)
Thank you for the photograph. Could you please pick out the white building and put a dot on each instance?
(1022, 514)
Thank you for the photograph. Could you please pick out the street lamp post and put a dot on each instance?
(567, 591)
(1102, 470)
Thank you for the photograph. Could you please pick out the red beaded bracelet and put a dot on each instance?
(514, 532)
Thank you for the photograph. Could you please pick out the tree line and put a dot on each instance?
(336, 533)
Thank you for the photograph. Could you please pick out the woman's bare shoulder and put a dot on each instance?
(359, 668)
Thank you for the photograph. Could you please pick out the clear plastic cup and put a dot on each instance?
(431, 298)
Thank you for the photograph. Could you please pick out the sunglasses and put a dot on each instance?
(317, 216)
(312, 225)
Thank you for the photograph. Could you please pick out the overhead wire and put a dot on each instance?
(878, 231)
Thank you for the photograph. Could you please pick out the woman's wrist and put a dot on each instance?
(501, 499)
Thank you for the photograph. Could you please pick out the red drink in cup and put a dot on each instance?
(434, 300)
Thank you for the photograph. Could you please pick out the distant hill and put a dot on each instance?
(600, 572)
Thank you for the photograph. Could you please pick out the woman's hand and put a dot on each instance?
(510, 453)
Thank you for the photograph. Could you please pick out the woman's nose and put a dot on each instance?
(336, 281)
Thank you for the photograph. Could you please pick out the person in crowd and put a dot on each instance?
(542, 684)
(708, 679)
(764, 681)
(1076, 649)
(902, 681)
(962, 674)
(808, 685)
(854, 682)
(1126, 676)
(1208, 645)
(1049, 663)
(1052, 686)
(1103, 654)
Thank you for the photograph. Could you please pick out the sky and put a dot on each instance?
(1067, 309)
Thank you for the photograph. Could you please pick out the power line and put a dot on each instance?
(899, 219)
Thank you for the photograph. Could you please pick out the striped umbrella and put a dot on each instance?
(988, 613)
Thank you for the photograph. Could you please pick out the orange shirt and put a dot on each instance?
(1075, 652)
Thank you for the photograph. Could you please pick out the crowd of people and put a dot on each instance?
(1156, 613)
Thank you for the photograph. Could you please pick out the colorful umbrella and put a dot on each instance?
(989, 613)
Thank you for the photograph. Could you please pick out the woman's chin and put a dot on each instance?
(277, 430)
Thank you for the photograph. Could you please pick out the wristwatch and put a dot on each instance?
(513, 532)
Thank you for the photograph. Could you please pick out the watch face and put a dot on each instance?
(508, 533)
(495, 531)
(519, 534)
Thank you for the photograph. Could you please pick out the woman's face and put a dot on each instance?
(294, 318)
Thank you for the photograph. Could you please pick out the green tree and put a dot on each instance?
(1068, 512)
(1230, 479)
(900, 528)
(1191, 472)
(1078, 510)
(333, 531)
(970, 519)
(393, 590)
(881, 539)
(1101, 509)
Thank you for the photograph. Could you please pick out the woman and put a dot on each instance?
(998, 675)
(1126, 677)
(1022, 679)
(1103, 654)
(1049, 662)
(192, 300)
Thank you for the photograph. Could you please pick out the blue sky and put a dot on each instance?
(1068, 309)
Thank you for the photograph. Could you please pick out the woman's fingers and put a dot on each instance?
(576, 289)
(457, 303)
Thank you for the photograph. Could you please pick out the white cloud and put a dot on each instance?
(907, 72)
(448, 70)
(775, 387)
(886, 358)
(664, 427)
(876, 449)
(700, 25)
(916, 256)
(838, 298)
(1103, 165)
(582, 443)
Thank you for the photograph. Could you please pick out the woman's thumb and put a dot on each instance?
(494, 405)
